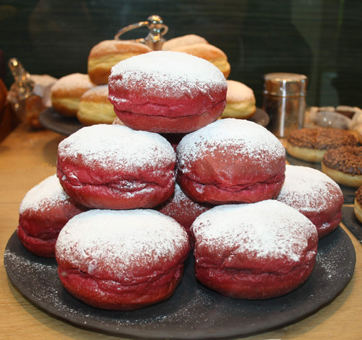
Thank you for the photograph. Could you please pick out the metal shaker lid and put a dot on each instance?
(285, 84)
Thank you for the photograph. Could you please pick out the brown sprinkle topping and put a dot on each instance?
(359, 195)
(321, 139)
(347, 159)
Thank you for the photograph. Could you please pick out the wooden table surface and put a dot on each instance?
(26, 158)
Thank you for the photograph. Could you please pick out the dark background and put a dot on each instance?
(319, 38)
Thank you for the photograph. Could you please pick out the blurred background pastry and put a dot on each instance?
(108, 53)
(95, 108)
(189, 39)
(240, 101)
(210, 53)
(66, 93)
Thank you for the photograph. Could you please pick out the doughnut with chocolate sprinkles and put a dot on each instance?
(344, 165)
(311, 144)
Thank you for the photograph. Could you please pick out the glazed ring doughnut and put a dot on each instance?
(358, 204)
(344, 165)
(311, 144)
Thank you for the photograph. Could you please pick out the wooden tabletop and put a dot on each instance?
(26, 158)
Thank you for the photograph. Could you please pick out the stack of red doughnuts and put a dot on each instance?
(43, 212)
(231, 161)
(167, 92)
(315, 195)
(115, 167)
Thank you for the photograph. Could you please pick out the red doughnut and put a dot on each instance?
(315, 195)
(121, 260)
(43, 212)
(182, 208)
(230, 161)
(254, 251)
(115, 167)
(168, 92)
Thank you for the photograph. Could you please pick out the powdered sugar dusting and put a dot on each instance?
(44, 195)
(267, 229)
(118, 147)
(308, 189)
(250, 139)
(118, 241)
(167, 74)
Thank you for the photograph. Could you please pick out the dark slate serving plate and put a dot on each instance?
(53, 121)
(193, 312)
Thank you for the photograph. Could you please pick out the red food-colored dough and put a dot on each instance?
(315, 195)
(115, 167)
(254, 251)
(167, 92)
(43, 212)
(121, 260)
(230, 161)
(182, 208)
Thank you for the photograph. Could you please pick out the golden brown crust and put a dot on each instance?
(341, 178)
(108, 47)
(67, 91)
(309, 155)
(208, 52)
(189, 39)
(321, 138)
(108, 53)
(95, 108)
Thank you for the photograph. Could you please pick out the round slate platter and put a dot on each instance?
(193, 312)
(54, 121)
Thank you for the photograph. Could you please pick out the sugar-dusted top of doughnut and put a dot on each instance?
(238, 92)
(247, 138)
(117, 146)
(44, 195)
(121, 243)
(264, 230)
(308, 189)
(167, 73)
(73, 81)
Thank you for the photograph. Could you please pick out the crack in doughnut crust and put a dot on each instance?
(115, 167)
